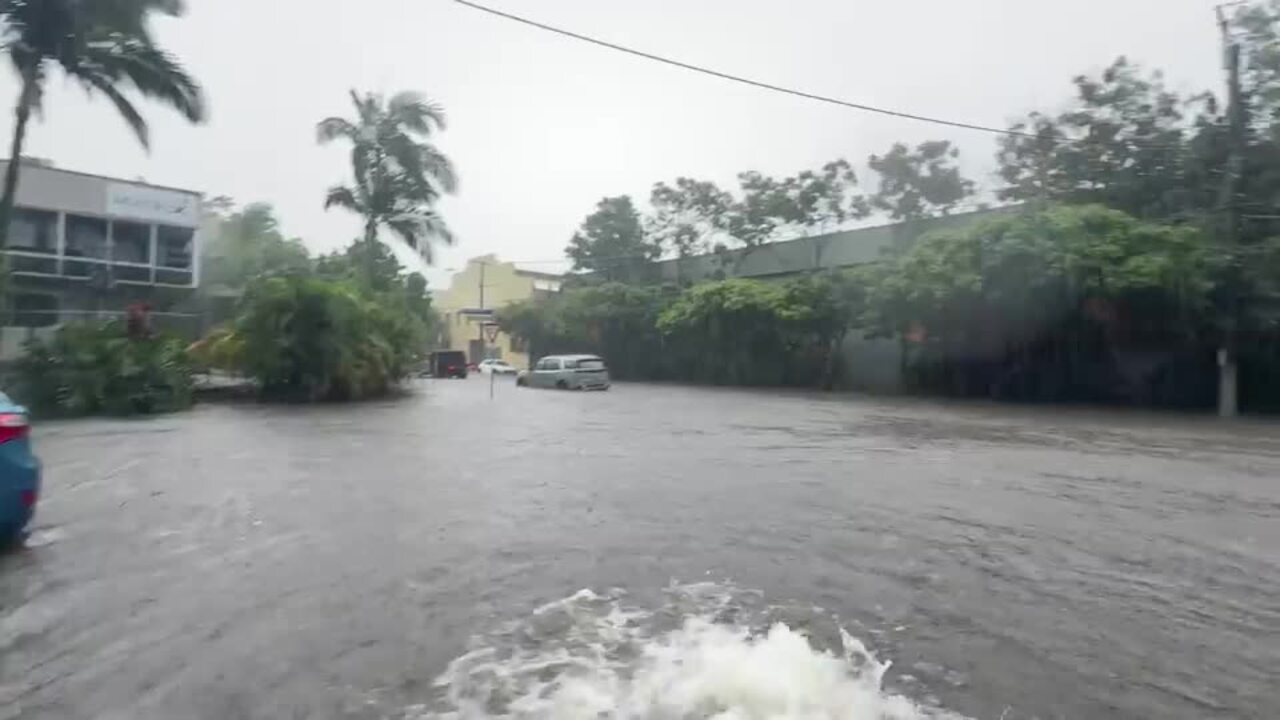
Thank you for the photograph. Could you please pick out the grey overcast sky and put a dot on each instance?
(541, 127)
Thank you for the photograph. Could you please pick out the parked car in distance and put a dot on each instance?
(567, 372)
(19, 471)
(494, 366)
(447, 364)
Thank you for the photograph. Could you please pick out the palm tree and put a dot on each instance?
(399, 174)
(102, 44)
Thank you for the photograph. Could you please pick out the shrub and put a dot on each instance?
(97, 368)
(306, 338)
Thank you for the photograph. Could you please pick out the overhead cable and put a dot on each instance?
(759, 84)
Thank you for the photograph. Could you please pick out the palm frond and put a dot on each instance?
(129, 16)
(368, 107)
(156, 74)
(343, 197)
(440, 168)
(424, 164)
(126, 108)
(406, 167)
(418, 228)
(333, 128)
(415, 113)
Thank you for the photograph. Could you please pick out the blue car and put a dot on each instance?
(19, 471)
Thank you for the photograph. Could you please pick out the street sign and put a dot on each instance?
(491, 331)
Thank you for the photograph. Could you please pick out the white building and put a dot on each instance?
(88, 244)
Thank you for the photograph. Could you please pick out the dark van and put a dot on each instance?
(448, 364)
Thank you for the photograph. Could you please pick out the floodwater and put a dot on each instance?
(655, 552)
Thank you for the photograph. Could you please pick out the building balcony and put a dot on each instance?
(24, 263)
(66, 246)
(75, 229)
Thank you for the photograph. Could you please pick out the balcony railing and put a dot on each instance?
(74, 267)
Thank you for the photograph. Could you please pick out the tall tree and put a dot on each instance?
(399, 175)
(372, 266)
(685, 215)
(806, 201)
(1121, 144)
(246, 244)
(696, 215)
(612, 242)
(106, 46)
(919, 183)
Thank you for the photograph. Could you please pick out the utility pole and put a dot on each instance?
(483, 355)
(1228, 384)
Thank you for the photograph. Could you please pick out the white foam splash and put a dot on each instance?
(587, 657)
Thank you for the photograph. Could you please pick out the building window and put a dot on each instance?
(35, 310)
(33, 231)
(86, 237)
(173, 245)
(131, 242)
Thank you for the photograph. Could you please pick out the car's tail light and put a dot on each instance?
(13, 426)
(29, 498)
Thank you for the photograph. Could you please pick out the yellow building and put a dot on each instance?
(467, 307)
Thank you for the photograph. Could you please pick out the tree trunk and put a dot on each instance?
(833, 347)
(22, 115)
(370, 237)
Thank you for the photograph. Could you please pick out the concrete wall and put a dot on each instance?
(872, 364)
(846, 248)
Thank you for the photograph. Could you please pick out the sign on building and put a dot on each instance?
(152, 204)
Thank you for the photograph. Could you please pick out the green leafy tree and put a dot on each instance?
(687, 215)
(418, 299)
(737, 331)
(372, 266)
(537, 323)
(612, 242)
(98, 368)
(830, 304)
(919, 183)
(375, 270)
(1031, 305)
(1122, 144)
(398, 174)
(246, 244)
(302, 337)
(106, 46)
(808, 201)
(694, 216)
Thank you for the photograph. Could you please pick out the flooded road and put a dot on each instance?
(242, 561)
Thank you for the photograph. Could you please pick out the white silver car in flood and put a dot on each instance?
(567, 372)
(492, 366)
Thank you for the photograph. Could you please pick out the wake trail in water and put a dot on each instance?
(708, 652)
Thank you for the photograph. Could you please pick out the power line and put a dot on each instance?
(759, 84)
(739, 78)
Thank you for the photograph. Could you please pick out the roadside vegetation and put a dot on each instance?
(111, 368)
(1113, 237)
(343, 326)
(349, 325)
(332, 331)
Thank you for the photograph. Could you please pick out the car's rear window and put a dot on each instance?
(585, 364)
